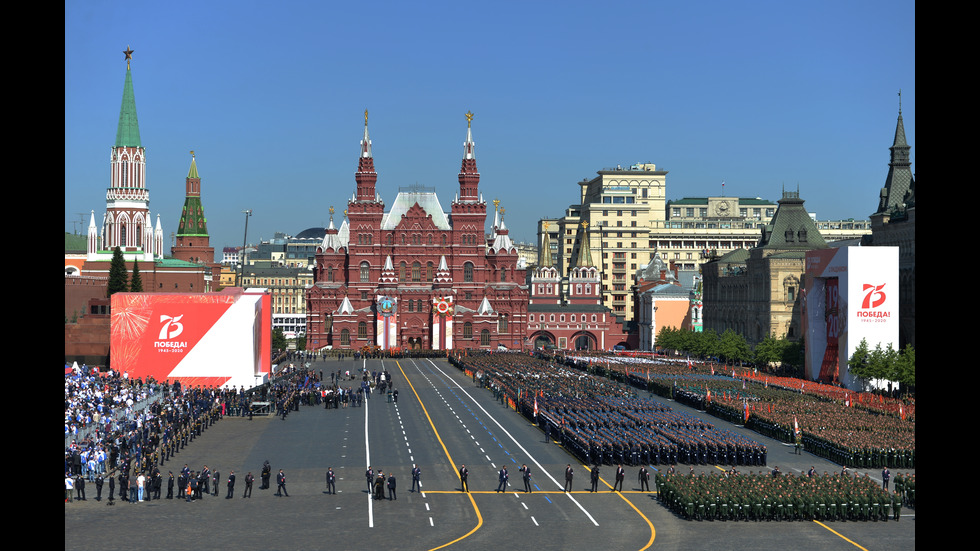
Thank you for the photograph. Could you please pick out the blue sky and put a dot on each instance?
(271, 97)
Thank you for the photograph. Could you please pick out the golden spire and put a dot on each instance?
(469, 118)
(365, 117)
(496, 203)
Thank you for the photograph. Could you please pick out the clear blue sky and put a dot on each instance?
(271, 97)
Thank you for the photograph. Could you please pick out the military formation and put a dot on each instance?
(605, 423)
(768, 496)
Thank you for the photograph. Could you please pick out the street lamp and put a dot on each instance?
(247, 212)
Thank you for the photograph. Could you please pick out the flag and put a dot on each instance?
(746, 411)
(901, 411)
(709, 394)
(796, 426)
(535, 407)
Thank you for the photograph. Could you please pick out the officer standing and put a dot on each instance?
(502, 477)
(231, 485)
(644, 479)
(527, 477)
(391, 487)
(416, 478)
(249, 479)
(620, 476)
(281, 481)
(595, 478)
(569, 473)
(98, 487)
(463, 474)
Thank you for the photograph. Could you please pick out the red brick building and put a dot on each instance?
(415, 276)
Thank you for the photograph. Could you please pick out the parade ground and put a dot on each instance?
(441, 420)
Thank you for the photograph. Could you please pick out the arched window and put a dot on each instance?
(362, 330)
(416, 271)
(428, 272)
(485, 337)
(401, 271)
(345, 337)
(411, 306)
(468, 272)
(419, 305)
(502, 323)
(365, 272)
(503, 274)
(467, 330)
(329, 273)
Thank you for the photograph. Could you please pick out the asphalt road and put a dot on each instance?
(442, 420)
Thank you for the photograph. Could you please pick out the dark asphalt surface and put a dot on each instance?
(441, 420)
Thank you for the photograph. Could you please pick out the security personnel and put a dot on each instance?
(644, 478)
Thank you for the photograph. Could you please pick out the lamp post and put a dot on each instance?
(248, 213)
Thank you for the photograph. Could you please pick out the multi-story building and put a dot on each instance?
(756, 292)
(630, 218)
(415, 276)
(286, 285)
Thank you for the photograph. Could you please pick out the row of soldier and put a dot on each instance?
(777, 497)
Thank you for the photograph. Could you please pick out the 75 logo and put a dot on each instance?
(172, 328)
(873, 296)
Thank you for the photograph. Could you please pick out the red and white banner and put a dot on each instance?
(208, 339)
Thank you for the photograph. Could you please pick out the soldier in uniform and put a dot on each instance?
(594, 476)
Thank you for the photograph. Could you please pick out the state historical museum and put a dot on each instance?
(416, 277)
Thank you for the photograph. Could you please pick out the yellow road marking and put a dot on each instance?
(451, 463)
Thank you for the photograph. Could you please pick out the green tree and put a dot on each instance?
(858, 364)
(118, 280)
(732, 347)
(667, 338)
(135, 280)
(905, 367)
(301, 342)
(769, 351)
(704, 344)
(278, 339)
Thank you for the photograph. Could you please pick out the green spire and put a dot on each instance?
(192, 173)
(128, 133)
